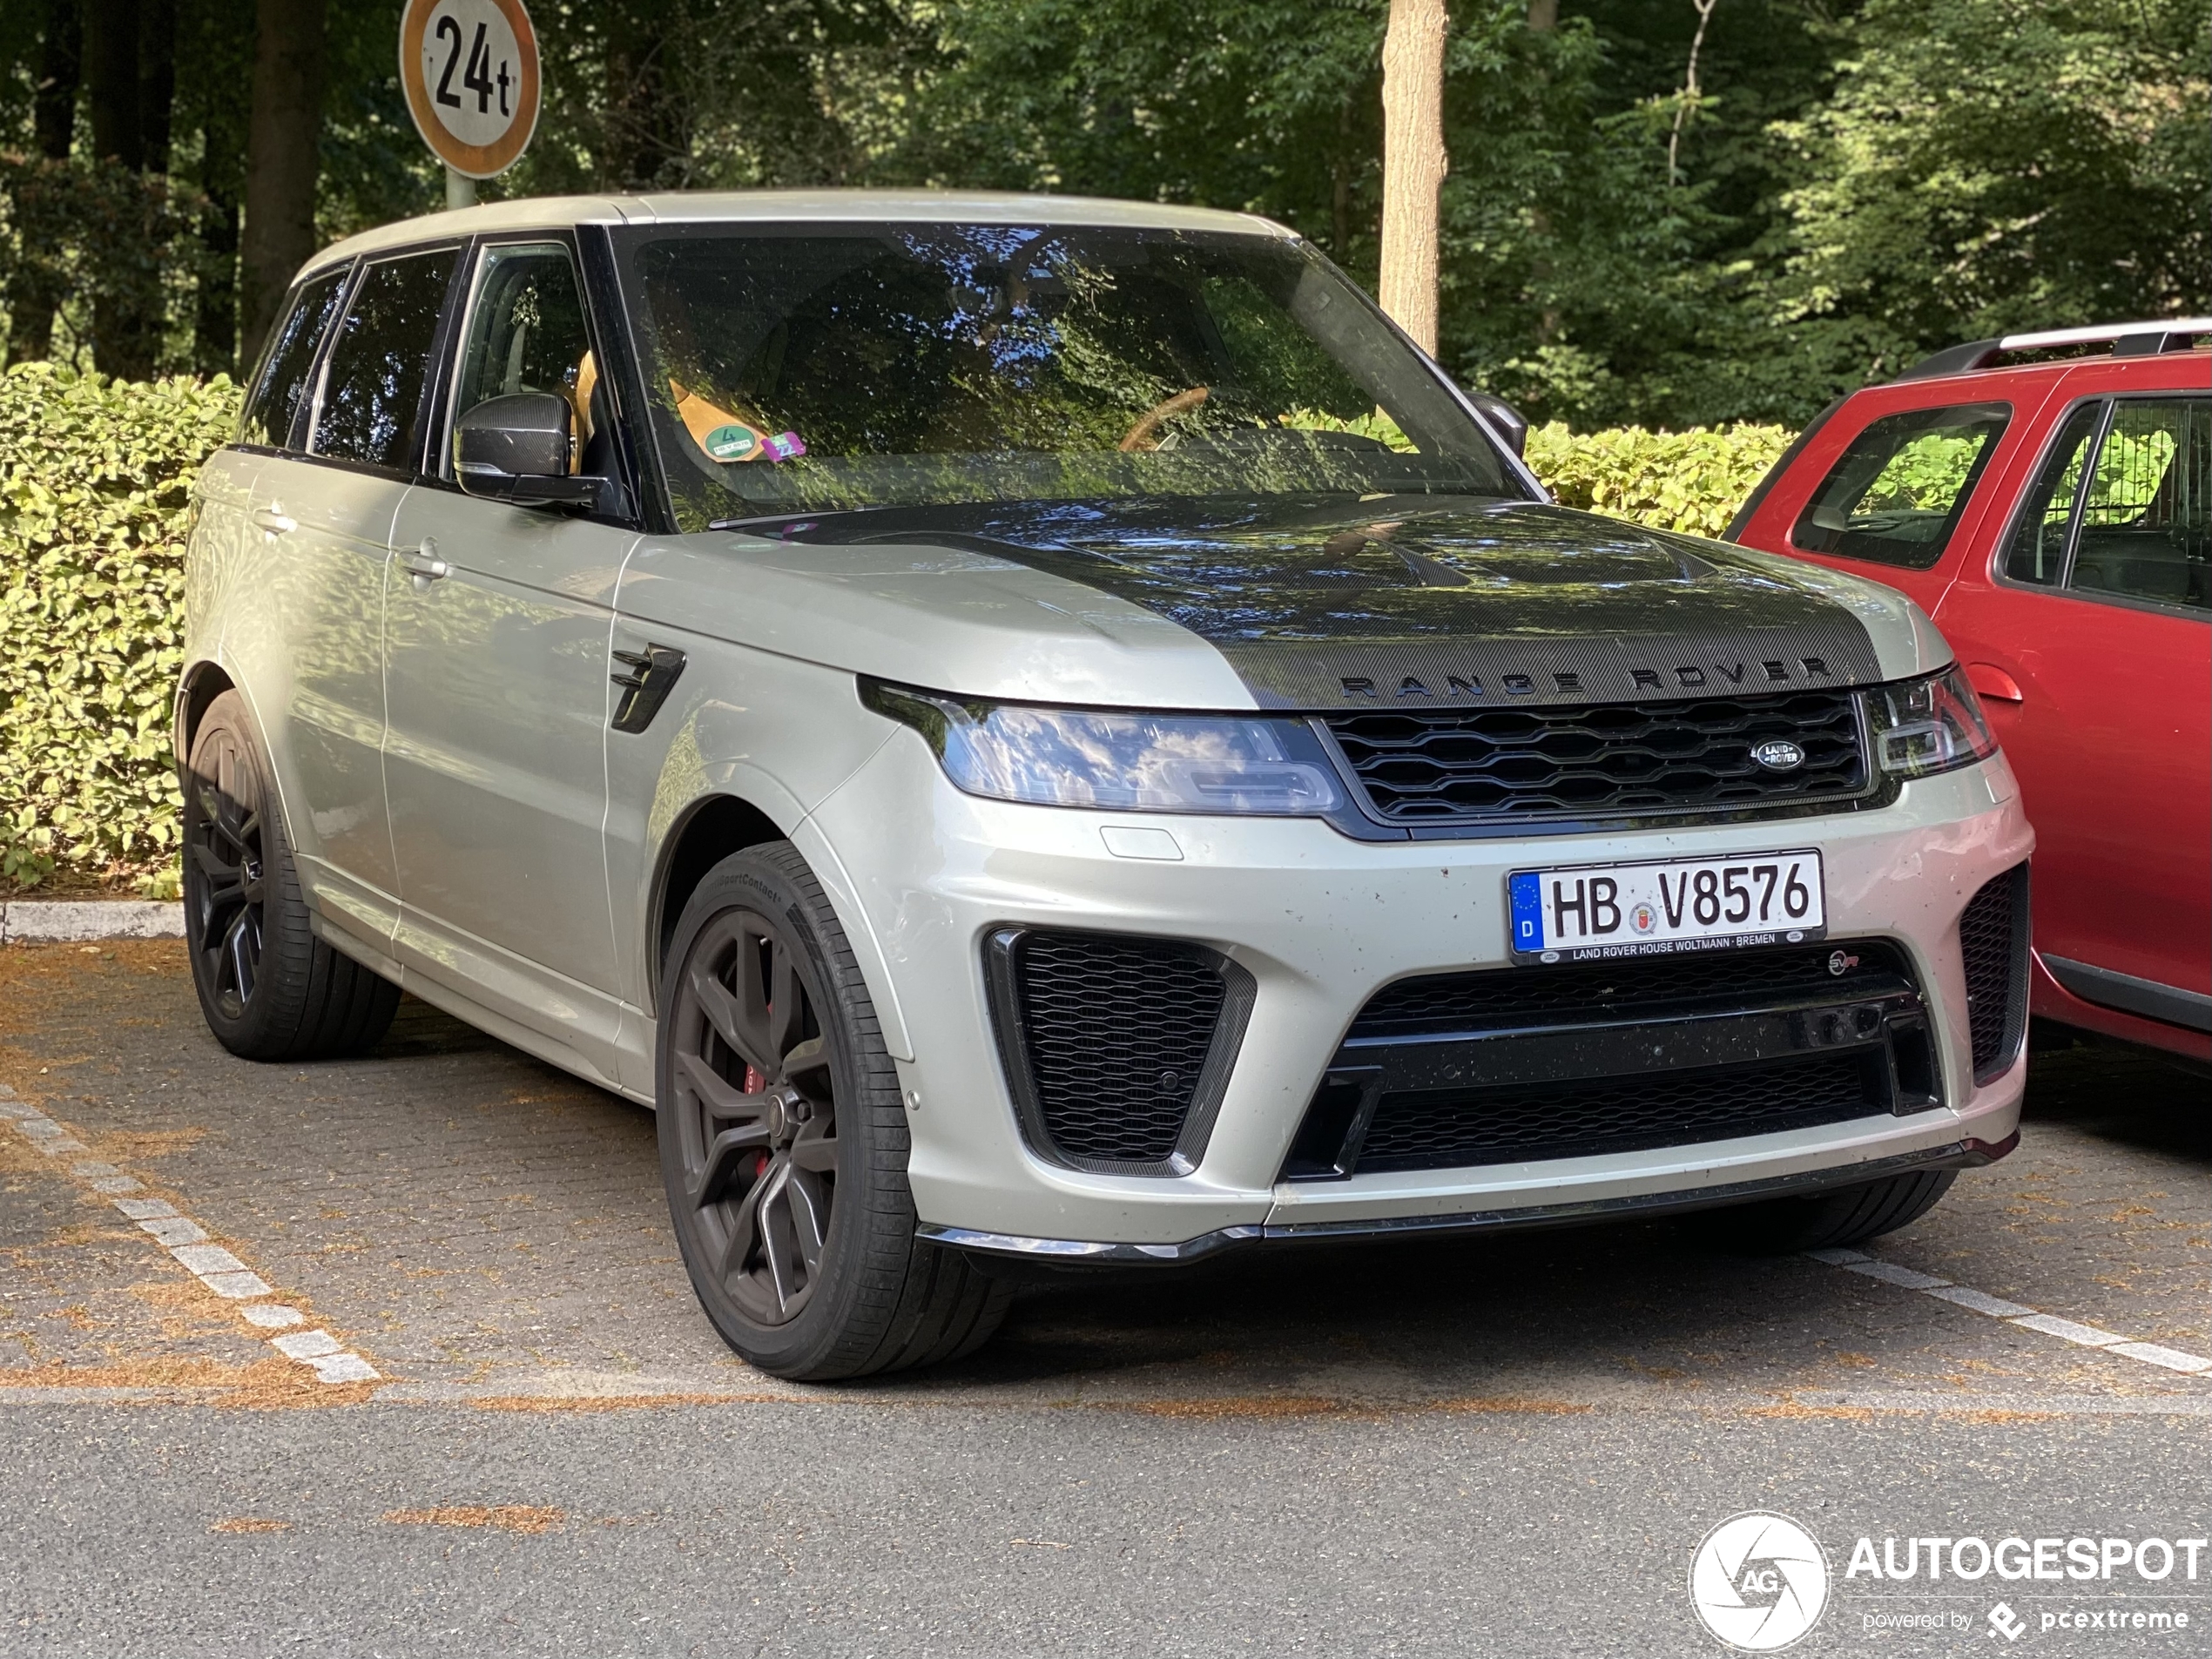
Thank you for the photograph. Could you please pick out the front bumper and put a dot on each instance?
(1321, 923)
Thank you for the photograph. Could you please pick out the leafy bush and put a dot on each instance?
(94, 478)
(1689, 480)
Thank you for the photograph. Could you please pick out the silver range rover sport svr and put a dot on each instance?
(1042, 733)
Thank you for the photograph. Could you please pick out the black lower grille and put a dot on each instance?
(1604, 760)
(1632, 986)
(1116, 1048)
(1575, 1059)
(1444, 1128)
(1993, 941)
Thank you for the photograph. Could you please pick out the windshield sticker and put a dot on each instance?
(731, 443)
(725, 438)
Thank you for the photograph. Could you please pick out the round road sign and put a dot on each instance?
(470, 70)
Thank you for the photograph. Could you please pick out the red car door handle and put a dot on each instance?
(1990, 680)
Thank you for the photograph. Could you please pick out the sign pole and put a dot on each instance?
(470, 68)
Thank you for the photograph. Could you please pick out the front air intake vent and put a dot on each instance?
(1992, 943)
(1117, 1049)
(1586, 1116)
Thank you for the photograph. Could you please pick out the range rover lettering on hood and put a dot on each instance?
(1421, 601)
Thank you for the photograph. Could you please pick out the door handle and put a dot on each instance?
(273, 521)
(424, 566)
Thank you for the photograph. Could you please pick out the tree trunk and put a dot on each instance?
(125, 277)
(33, 295)
(645, 131)
(1414, 163)
(215, 308)
(61, 66)
(157, 81)
(281, 158)
(111, 80)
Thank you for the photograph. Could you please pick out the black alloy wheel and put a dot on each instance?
(756, 1113)
(268, 988)
(784, 1140)
(223, 844)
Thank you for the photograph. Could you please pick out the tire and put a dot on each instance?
(268, 988)
(783, 1142)
(1825, 1220)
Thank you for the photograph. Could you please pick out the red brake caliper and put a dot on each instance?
(754, 1083)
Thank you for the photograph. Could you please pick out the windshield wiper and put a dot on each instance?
(792, 518)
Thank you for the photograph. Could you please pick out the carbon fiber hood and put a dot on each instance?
(1422, 601)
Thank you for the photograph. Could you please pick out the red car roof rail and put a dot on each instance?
(2128, 339)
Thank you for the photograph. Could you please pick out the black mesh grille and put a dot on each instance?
(1436, 1129)
(1652, 986)
(1993, 940)
(1116, 1033)
(1604, 760)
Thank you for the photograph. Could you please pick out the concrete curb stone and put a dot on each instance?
(62, 920)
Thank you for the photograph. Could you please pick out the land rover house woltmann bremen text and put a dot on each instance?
(1041, 732)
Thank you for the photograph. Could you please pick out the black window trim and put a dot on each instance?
(311, 408)
(431, 458)
(2000, 550)
(1967, 490)
(652, 506)
(345, 270)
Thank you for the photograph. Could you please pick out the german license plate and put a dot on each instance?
(1587, 912)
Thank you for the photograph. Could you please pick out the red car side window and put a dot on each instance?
(1895, 495)
(2144, 527)
(2038, 551)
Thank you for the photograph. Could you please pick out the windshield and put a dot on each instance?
(913, 364)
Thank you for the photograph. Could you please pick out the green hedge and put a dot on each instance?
(94, 475)
(1689, 480)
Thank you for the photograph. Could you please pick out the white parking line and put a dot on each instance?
(2086, 1336)
(186, 1240)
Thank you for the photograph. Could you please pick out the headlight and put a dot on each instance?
(1124, 762)
(1928, 726)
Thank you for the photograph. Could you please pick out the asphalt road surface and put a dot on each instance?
(509, 1430)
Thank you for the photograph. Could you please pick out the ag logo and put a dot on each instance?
(1759, 1582)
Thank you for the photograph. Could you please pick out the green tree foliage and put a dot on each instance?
(2000, 166)
(1859, 181)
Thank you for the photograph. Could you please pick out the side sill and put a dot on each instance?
(2146, 999)
(1968, 1154)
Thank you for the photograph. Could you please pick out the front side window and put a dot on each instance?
(2146, 519)
(284, 372)
(2036, 552)
(907, 364)
(1895, 495)
(527, 333)
(380, 361)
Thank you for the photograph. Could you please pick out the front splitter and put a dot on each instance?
(1970, 1153)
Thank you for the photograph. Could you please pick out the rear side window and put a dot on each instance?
(2146, 526)
(291, 359)
(380, 361)
(1896, 493)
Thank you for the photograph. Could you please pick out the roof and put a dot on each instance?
(785, 206)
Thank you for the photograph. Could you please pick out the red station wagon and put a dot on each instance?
(2054, 516)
